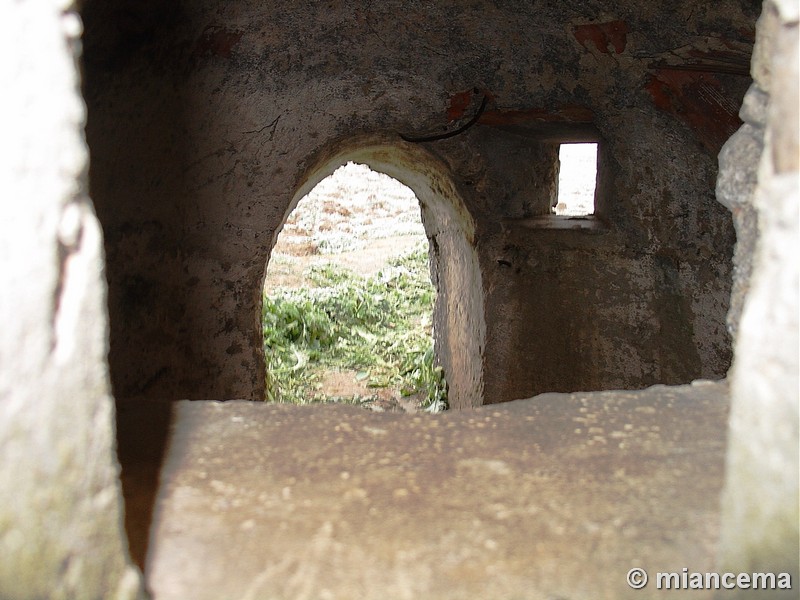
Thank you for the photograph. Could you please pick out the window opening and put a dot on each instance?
(348, 299)
(577, 179)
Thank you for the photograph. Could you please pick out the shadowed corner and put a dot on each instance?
(142, 434)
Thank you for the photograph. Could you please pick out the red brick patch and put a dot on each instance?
(604, 36)
(698, 99)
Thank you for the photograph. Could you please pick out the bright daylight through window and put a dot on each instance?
(576, 180)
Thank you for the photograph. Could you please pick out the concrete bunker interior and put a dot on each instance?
(191, 185)
(206, 120)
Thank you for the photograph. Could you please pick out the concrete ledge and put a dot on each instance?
(553, 497)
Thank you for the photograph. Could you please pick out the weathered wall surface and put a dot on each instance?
(760, 504)
(60, 505)
(204, 118)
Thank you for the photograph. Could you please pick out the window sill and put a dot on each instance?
(589, 223)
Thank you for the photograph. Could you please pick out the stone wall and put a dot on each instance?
(206, 118)
(60, 505)
(760, 505)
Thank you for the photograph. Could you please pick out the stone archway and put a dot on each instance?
(458, 315)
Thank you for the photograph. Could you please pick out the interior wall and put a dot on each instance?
(639, 299)
(204, 117)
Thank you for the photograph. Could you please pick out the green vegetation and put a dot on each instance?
(379, 327)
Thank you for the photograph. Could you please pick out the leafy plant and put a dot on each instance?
(378, 326)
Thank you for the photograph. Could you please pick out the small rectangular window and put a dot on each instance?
(577, 180)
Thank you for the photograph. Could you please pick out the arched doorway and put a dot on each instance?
(348, 299)
(459, 327)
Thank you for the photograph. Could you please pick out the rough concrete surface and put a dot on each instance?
(761, 507)
(61, 531)
(553, 497)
